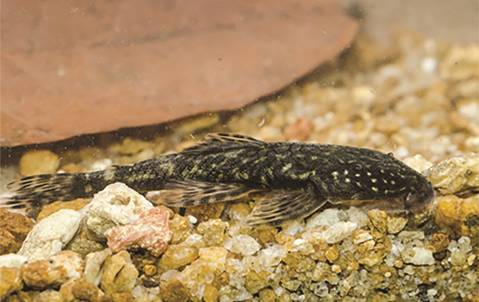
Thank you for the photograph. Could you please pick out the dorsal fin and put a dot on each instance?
(223, 142)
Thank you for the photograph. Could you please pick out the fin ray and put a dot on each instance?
(283, 205)
(188, 193)
(42, 189)
(223, 142)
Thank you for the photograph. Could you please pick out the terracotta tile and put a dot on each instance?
(79, 67)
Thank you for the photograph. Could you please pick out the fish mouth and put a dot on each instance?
(426, 204)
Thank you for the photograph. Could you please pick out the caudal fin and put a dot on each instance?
(45, 188)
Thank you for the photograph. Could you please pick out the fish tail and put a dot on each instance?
(37, 190)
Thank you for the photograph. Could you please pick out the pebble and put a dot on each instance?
(149, 232)
(256, 281)
(327, 217)
(454, 213)
(206, 212)
(271, 256)
(242, 244)
(84, 241)
(455, 174)
(177, 256)
(418, 256)
(361, 236)
(130, 146)
(396, 224)
(337, 232)
(332, 254)
(54, 270)
(267, 295)
(48, 295)
(150, 270)
(50, 235)
(335, 268)
(14, 227)
(357, 216)
(211, 262)
(439, 241)
(39, 162)
(10, 281)
(12, 260)
(116, 205)
(81, 290)
(94, 265)
(51, 208)
(180, 227)
(119, 274)
(379, 219)
(213, 231)
(418, 163)
(300, 130)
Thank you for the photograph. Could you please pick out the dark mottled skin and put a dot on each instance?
(331, 173)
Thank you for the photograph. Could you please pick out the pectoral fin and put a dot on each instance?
(186, 193)
(280, 205)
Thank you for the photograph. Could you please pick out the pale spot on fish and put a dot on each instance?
(286, 167)
(374, 180)
(304, 175)
(109, 174)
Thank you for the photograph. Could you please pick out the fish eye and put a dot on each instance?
(390, 154)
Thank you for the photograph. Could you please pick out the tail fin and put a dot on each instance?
(41, 189)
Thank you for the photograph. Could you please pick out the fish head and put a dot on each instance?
(420, 194)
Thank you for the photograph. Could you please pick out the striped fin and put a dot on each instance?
(223, 142)
(232, 137)
(189, 193)
(38, 190)
(280, 205)
(41, 189)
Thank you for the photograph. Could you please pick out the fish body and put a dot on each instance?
(296, 179)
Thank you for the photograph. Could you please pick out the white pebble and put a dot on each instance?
(418, 256)
(327, 217)
(51, 234)
(192, 219)
(12, 260)
(115, 205)
(337, 232)
(242, 244)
